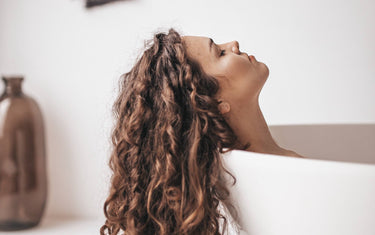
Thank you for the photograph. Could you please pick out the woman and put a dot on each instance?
(185, 102)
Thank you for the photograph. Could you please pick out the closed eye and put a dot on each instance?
(222, 52)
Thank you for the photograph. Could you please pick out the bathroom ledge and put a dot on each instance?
(62, 226)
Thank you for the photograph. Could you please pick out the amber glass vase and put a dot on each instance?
(23, 179)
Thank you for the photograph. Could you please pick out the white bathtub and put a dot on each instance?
(330, 193)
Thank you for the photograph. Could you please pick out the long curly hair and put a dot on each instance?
(167, 144)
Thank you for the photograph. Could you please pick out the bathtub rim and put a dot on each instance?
(290, 158)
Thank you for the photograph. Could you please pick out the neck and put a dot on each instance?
(250, 126)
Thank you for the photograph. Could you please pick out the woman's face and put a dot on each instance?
(241, 77)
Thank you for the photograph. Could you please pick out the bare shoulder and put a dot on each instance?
(294, 154)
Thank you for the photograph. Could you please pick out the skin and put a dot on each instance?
(241, 80)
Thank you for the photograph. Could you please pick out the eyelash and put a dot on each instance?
(222, 52)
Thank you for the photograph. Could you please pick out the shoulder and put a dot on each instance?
(293, 154)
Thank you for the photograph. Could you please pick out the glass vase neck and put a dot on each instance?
(13, 85)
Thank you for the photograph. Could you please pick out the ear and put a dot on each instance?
(224, 107)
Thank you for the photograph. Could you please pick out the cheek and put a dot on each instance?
(236, 67)
(243, 79)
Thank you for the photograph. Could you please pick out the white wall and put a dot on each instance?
(321, 56)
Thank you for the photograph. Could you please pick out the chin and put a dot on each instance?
(266, 70)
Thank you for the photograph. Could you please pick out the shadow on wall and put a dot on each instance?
(335, 142)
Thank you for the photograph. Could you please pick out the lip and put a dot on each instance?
(252, 58)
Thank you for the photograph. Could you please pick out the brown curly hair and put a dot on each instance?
(167, 141)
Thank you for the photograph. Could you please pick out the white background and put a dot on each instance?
(321, 57)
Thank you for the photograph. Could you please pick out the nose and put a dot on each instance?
(234, 46)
